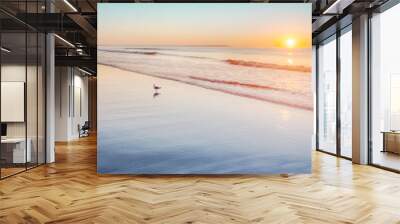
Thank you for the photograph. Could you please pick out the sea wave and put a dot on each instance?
(236, 83)
(282, 96)
(131, 52)
(297, 68)
(291, 88)
(256, 64)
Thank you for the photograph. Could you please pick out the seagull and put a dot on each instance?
(156, 87)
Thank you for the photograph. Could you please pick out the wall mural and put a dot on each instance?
(204, 88)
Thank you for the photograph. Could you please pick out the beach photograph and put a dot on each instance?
(204, 88)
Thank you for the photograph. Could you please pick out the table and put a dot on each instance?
(17, 150)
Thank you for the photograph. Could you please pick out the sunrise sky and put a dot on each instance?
(255, 25)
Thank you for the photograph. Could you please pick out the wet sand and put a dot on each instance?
(185, 129)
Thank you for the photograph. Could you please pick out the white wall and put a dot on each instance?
(70, 83)
(62, 82)
(80, 105)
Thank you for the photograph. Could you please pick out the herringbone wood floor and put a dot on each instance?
(70, 191)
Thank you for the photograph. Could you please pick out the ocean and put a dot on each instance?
(219, 111)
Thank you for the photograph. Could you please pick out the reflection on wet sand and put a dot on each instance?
(194, 130)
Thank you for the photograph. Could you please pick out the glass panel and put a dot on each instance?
(327, 96)
(386, 89)
(23, 90)
(31, 87)
(31, 98)
(346, 93)
(394, 102)
(13, 76)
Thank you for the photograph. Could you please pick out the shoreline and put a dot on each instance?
(302, 107)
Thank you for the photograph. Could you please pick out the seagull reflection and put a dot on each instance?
(156, 94)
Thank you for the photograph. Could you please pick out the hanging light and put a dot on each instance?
(64, 40)
(5, 50)
(70, 5)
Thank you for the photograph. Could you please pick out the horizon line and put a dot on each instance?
(200, 45)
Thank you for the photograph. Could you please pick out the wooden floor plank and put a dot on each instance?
(70, 191)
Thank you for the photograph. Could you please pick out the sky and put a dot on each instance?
(255, 25)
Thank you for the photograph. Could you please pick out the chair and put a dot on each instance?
(84, 130)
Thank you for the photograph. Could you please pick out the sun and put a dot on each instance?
(290, 42)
